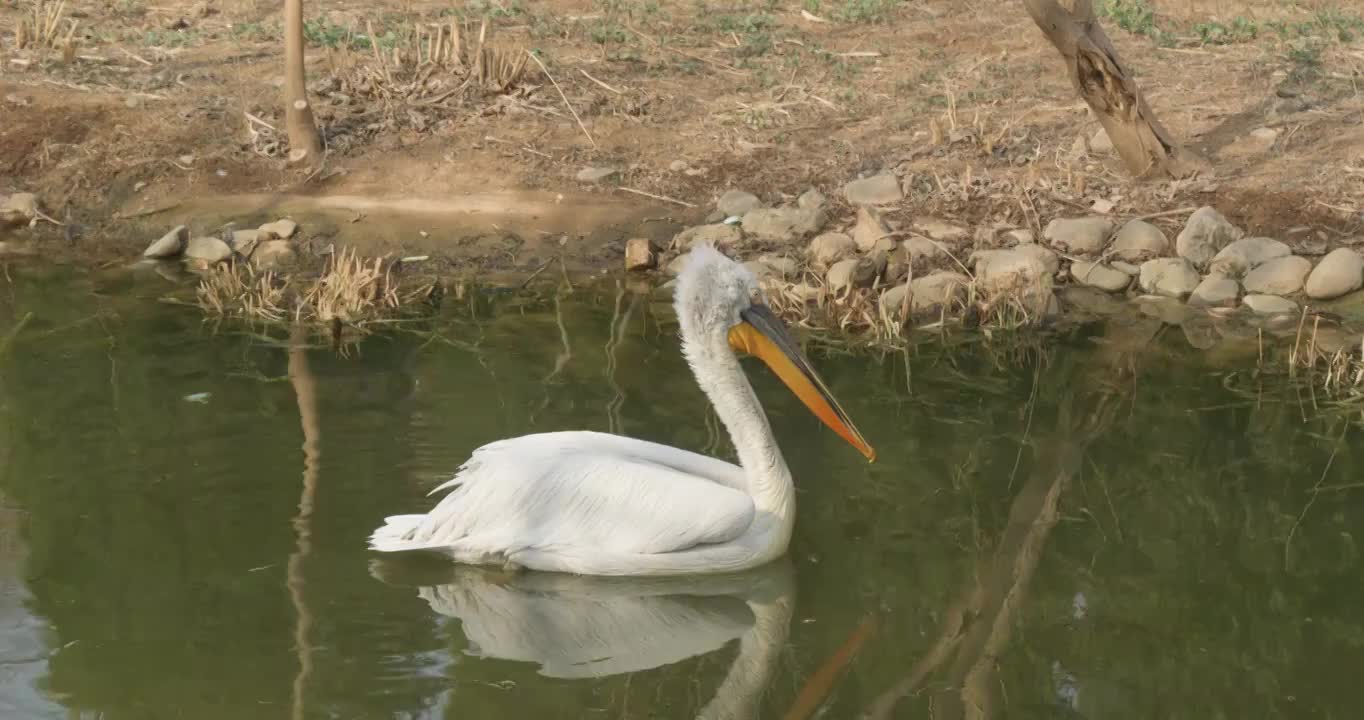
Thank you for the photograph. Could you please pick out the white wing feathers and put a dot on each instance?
(580, 492)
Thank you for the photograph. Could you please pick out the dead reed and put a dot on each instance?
(350, 290)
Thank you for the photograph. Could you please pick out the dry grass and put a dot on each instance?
(43, 28)
(1338, 370)
(350, 290)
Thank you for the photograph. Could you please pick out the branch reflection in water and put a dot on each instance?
(588, 627)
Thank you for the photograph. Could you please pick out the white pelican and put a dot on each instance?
(598, 504)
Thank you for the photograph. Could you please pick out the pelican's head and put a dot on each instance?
(720, 308)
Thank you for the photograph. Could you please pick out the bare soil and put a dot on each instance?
(165, 113)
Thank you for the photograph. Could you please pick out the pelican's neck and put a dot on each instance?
(722, 379)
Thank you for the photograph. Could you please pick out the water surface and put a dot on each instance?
(1104, 524)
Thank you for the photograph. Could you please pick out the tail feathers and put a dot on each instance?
(395, 535)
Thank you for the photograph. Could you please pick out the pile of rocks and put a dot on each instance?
(1210, 264)
(268, 247)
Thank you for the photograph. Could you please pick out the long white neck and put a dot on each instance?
(721, 378)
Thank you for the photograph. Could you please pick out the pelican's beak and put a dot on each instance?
(763, 336)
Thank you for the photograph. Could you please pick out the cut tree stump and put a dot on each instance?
(1107, 86)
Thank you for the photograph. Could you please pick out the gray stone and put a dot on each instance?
(1269, 304)
(928, 294)
(719, 235)
(850, 273)
(170, 245)
(1215, 291)
(1086, 236)
(1139, 241)
(829, 248)
(919, 246)
(1091, 300)
(737, 202)
(1127, 267)
(1171, 277)
(596, 174)
(674, 266)
(1020, 236)
(273, 255)
(278, 230)
(1050, 260)
(1340, 272)
(869, 229)
(639, 255)
(812, 199)
(781, 265)
(1199, 331)
(19, 209)
(1167, 309)
(208, 249)
(1281, 276)
(784, 224)
(1100, 276)
(1205, 233)
(243, 242)
(1000, 270)
(875, 190)
(1241, 256)
(1100, 143)
(940, 230)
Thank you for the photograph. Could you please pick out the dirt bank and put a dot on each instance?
(175, 107)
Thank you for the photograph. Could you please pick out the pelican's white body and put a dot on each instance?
(599, 504)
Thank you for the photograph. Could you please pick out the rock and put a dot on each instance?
(1200, 332)
(1171, 277)
(639, 255)
(897, 266)
(1020, 236)
(781, 265)
(1050, 260)
(1100, 276)
(1086, 236)
(850, 273)
(881, 189)
(243, 242)
(919, 246)
(1100, 143)
(1092, 301)
(273, 255)
(278, 230)
(1242, 256)
(1269, 304)
(1281, 276)
(19, 209)
(1338, 273)
(677, 165)
(719, 235)
(209, 249)
(1216, 290)
(1139, 241)
(941, 231)
(674, 267)
(812, 199)
(784, 224)
(999, 270)
(170, 245)
(869, 229)
(1127, 267)
(829, 248)
(596, 174)
(928, 294)
(737, 202)
(1205, 233)
(1166, 309)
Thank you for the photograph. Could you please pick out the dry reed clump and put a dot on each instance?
(350, 290)
(43, 30)
(1339, 370)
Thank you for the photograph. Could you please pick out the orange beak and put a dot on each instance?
(763, 336)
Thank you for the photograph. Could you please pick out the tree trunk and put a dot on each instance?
(305, 144)
(1107, 87)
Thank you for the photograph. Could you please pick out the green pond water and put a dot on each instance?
(1104, 523)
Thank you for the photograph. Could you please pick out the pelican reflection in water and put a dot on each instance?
(598, 504)
(573, 626)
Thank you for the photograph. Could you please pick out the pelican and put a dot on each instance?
(592, 503)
